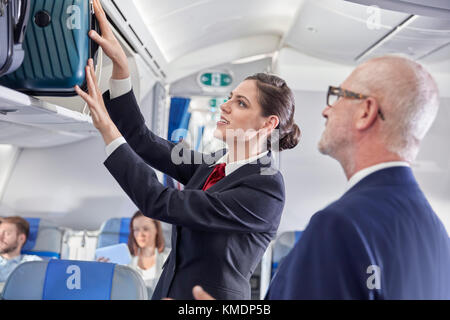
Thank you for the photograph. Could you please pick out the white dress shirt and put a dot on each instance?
(117, 89)
(233, 166)
(361, 174)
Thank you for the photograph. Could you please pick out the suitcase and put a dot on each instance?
(57, 48)
(13, 21)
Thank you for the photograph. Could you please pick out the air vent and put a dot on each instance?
(163, 74)
(156, 64)
(118, 10)
(153, 71)
(149, 54)
(137, 37)
(121, 34)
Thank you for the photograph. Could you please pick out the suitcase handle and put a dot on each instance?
(19, 29)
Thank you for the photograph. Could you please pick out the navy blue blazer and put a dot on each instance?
(380, 240)
(218, 235)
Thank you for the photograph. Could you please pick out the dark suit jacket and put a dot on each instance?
(218, 235)
(380, 240)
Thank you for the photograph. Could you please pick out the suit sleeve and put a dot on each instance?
(252, 207)
(330, 261)
(157, 152)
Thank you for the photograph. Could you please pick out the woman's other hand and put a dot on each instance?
(111, 47)
(94, 99)
(200, 294)
(102, 259)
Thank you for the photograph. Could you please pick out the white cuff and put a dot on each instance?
(110, 148)
(119, 87)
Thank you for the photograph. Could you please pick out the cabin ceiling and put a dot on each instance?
(339, 31)
(184, 26)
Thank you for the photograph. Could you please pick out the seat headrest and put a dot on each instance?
(114, 231)
(117, 230)
(44, 239)
(74, 280)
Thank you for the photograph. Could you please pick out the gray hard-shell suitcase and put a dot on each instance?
(13, 21)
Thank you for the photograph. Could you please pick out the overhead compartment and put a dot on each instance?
(30, 122)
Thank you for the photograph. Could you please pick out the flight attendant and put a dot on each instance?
(232, 202)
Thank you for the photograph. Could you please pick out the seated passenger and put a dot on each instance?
(146, 245)
(13, 235)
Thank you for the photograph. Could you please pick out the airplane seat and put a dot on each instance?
(281, 247)
(116, 230)
(44, 239)
(74, 280)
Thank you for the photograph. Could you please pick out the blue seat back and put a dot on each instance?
(44, 239)
(281, 247)
(74, 280)
(114, 231)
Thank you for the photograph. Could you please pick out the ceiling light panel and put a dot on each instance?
(183, 26)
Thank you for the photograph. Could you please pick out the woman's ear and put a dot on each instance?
(271, 123)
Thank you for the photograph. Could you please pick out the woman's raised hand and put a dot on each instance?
(94, 99)
(111, 47)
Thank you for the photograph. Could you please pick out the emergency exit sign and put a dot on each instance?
(216, 102)
(215, 79)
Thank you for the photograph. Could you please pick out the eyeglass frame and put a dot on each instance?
(339, 92)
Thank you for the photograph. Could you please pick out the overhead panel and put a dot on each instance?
(338, 31)
(420, 38)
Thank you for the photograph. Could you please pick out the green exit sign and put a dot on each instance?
(215, 79)
(217, 102)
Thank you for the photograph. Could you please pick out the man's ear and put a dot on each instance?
(367, 114)
(22, 239)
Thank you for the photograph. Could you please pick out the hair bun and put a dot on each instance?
(291, 139)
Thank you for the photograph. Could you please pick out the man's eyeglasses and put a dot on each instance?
(334, 93)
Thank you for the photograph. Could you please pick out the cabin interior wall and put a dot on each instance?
(8, 157)
(68, 185)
